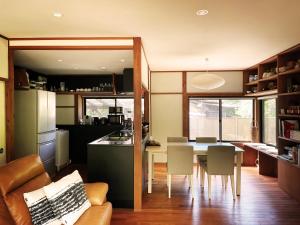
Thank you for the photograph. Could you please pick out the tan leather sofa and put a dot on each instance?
(28, 174)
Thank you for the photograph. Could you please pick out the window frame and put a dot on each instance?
(220, 113)
(262, 123)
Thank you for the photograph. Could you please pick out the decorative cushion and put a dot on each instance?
(40, 209)
(68, 198)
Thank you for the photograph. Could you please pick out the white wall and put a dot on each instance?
(166, 118)
(3, 58)
(144, 70)
(167, 82)
(233, 82)
(2, 123)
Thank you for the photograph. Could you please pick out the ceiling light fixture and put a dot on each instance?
(57, 14)
(59, 60)
(103, 68)
(207, 81)
(122, 60)
(202, 12)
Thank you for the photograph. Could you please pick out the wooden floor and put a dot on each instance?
(261, 202)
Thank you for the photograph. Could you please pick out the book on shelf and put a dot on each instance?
(286, 126)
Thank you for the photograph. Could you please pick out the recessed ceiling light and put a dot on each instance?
(57, 14)
(59, 60)
(202, 12)
(122, 60)
(103, 68)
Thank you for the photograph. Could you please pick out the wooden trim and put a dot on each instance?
(166, 93)
(67, 106)
(9, 110)
(185, 107)
(78, 108)
(2, 36)
(90, 47)
(220, 70)
(217, 94)
(137, 82)
(3, 79)
(146, 106)
(70, 38)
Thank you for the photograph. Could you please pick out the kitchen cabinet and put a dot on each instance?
(3, 58)
(65, 109)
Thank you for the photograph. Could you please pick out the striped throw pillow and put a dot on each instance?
(68, 198)
(40, 209)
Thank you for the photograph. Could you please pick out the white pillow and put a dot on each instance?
(40, 209)
(68, 198)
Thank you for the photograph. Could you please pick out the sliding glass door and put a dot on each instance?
(226, 119)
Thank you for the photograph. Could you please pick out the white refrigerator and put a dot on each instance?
(35, 126)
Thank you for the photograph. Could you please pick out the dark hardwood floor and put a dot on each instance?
(261, 202)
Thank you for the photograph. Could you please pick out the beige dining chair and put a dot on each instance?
(180, 162)
(203, 157)
(177, 139)
(220, 161)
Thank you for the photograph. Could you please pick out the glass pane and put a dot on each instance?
(128, 106)
(269, 121)
(204, 118)
(237, 117)
(98, 107)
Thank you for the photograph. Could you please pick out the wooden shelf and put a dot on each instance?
(289, 72)
(288, 161)
(262, 93)
(274, 77)
(289, 93)
(288, 116)
(288, 139)
(252, 83)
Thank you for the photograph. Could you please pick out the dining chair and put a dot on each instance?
(220, 161)
(180, 162)
(177, 139)
(203, 157)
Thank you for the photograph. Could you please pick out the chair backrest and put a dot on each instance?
(220, 160)
(206, 140)
(177, 139)
(180, 160)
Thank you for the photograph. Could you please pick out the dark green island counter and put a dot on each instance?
(110, 159)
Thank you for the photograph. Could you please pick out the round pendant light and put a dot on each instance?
(207, 81)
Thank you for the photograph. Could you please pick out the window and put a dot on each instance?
(204, 118)
(269, 121)
(99, 107)
(237, 119)
(226, 119)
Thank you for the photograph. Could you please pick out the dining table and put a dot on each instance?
(198, 149)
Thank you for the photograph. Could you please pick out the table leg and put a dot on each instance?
(150, 172)
(238, 173)
(153, 166)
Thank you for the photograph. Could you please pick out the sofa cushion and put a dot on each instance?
(15, 200)
(40, 209)
(68, 198)
(19, 172)
(5, 217)
(96, 192)
(96, 215)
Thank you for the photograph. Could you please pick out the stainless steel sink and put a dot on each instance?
(118, 138)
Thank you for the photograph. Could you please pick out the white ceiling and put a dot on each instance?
(235, 34)
(74, 62)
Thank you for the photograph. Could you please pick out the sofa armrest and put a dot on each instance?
(96, 193)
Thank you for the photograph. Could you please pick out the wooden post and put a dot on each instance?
(185, 107)
(9, 110)
(137, 86)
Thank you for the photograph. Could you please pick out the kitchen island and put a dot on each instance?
(110, 159)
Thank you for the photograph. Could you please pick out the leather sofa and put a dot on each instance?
(28, 174)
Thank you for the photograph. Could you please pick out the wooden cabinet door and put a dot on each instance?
(3, 58)
(2, 124)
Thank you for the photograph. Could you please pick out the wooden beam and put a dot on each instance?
(137, 86)
(114, 47)
(185, 107)
(9, 110)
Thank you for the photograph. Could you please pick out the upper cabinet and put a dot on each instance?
(3, 58)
